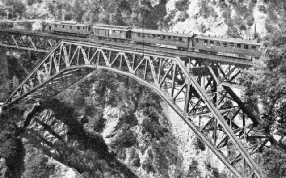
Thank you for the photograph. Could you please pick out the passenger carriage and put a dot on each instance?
(113, 32)
(234, 47)
(77, 29)
(180, 41)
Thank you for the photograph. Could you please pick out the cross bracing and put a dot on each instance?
(44, 42)
(200, 91)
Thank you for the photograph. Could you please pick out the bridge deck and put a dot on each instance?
(165, 71)
(131, 46)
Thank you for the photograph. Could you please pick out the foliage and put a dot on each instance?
(249, 19)
(182, 16)
(232, 32)
(200, 144)
(15, 82)
(11, 148)
(266, 93)
(274, 162)
(262, 9)
(182, 5)
(37, 165)
(18, 7)
(206, 10)
(8, 144)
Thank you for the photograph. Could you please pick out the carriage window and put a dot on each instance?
(174, 38)
(218, 43)
(169, 37)
(153, 36)
(143, 35)
(63, 26)
(148, 36)
(206, 42)
(180, 39)
(224, 44)
(70, 27)
(245, 46)
(78, 28)
(185, 40)
(138, 34)
(253, 47)
(212, 43)
(159, 37)
(197, 40)
(55, 25)
(231, 44)
(239, 45)
(163, 37)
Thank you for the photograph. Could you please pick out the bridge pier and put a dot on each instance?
(4, 85)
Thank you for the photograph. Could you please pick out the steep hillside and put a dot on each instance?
(110, 126)
(229, 18)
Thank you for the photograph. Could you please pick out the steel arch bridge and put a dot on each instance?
(198, 89)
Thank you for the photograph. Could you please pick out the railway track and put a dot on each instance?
(136, 47)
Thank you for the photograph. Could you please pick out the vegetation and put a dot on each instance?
(266, 95)
(122, 12)
(182, 5)
(36, 164)
(82, 107)
(11, 149)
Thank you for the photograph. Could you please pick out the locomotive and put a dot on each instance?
(233, 47)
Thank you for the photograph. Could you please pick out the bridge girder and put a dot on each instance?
(206, 102)
(25, 41)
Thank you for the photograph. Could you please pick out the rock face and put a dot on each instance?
(144, 143)
(108, 126)
(228, 18)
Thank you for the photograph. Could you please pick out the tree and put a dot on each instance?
(18, 6)
(36, 165)
(15, 82)
(266, 94)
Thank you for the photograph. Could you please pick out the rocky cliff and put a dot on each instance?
(109, 125)
(227, 18)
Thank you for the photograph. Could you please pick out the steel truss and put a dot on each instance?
(200, 92)
(28, 41)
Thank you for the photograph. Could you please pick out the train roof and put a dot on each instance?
(69, 23)
(160, 33)
(230, 40)
(112, 27)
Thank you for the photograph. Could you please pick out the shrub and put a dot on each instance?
(250, 20)
(262, 9)
(182, 5)
(36, 165)
(182, 16)
(206, 10)
(200, 145)
(232, 32)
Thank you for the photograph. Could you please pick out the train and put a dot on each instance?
(233, 47)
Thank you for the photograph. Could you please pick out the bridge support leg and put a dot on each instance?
(4, 85)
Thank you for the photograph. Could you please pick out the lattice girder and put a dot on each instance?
(193, 97)
(222, 81)
(31, 42)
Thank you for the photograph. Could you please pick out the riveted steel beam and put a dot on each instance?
(168, 76)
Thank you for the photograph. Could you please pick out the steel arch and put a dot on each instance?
(167, 75)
